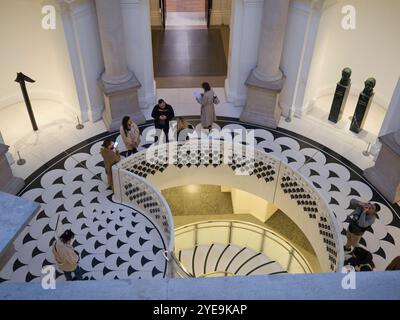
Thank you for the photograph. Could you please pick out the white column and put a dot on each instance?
(139, 48)
(275, 14)
(83, 41)
(245, 28)
(118, 83)
(111, 30)
(266, 81)
(301, 34)
(391, 122)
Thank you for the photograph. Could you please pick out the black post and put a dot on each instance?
(363, 106)
(21, 78)
(340, 97)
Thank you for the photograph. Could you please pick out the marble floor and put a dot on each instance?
(198, 200)
(115, 241)
(42, 146)
(373, 121)
(188, 52)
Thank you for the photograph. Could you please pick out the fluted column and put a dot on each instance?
(266, 80)
(118, 83)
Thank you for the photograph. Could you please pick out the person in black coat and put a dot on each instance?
(361, 260)
(162, 114)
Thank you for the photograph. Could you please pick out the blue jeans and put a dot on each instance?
(78, 274)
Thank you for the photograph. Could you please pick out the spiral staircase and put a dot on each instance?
(227, 260)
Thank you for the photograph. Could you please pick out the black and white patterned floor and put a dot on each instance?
(117, 242)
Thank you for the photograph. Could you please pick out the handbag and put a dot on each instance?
(216, 100)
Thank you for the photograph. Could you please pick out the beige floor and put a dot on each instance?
(281, 224)
(194, 203)
(198, 200)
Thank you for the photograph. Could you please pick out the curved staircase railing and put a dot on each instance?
(243, 234)
(266, 176)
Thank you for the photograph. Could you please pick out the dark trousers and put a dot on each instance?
(78, 274)
(128, 153)
(160, 131)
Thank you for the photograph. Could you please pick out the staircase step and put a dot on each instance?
(270, 268)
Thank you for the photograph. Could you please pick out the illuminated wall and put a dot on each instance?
(371, 50)
(41, 54)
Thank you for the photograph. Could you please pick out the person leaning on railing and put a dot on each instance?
(363, 216)
(110, 156)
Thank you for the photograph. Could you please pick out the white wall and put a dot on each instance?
(247, 203)
(243, 47)
(371, 50)
(40, 54)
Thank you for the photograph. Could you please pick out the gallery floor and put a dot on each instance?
(73, 185)
(58, 133)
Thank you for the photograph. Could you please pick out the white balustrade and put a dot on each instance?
(138, 178)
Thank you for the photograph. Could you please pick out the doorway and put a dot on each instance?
(187, 49)
(188, 13)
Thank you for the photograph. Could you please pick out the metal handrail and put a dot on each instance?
(176, 261)
(226, 274)
(295, 171)
(231, 225)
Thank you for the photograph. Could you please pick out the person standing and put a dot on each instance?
(130, 135)
(183, 128)
(207, 112)
(110, 156)
(363, 216)
(66, 257)
(162, 115)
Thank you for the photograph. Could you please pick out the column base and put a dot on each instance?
(262, 107)
(119, 101)
(14, 185)
(385, 175)
(8, 183)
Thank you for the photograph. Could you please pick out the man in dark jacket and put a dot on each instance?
(363, 216)
(162, 114)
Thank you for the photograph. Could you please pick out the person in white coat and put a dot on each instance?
(207, 113)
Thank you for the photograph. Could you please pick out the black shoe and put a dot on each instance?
(347, 250)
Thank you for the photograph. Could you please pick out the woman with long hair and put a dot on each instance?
(207, 113)
(110, 156)
(130, 135)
